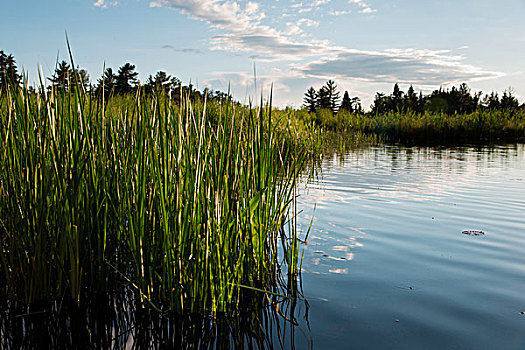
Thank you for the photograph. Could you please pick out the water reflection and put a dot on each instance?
(387, 265)
(117, 322)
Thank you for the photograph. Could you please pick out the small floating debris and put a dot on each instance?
(522, 313)
(473, 233)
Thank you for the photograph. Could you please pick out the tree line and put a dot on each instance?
(125, 80)
(459, 100)
(122, 81)
(454, 100)
(328, 97)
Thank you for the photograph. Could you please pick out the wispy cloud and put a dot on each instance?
(365, 7)
(339, 12)
(185, 50)
(423, 67)
(227, 15)
(242, 29)
(103, 4)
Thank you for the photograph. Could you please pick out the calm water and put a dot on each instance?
(387, 265)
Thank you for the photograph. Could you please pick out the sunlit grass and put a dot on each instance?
(483, 126)
(187, 205)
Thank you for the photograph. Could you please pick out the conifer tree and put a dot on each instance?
(333, 96)
(346, 103)
(126, 78)
(8, 70)
(310, 100)
(323, 98)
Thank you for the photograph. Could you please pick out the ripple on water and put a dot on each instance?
(391, 218)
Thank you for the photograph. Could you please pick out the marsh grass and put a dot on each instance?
(480, 127)
(186, 205)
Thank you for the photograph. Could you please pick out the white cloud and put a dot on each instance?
(321, 2)
(339, 13)
(227, 15)
(411, 66)
(294, 28)
(100, 3)
(242, 29)
(365, 8)
(308, 22)
(103, 4)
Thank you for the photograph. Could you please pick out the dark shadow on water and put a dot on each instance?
(118, 322)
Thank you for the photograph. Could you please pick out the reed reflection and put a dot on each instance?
(261, 320)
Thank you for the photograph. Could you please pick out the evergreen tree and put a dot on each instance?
(83, 78)
(509, 102)
(8, 70)
(310, 100)
(333, 96)
(161, 80)
(126, 79)
(323, 98)
(421, 101)
(61, 77)
(346, 103)
(356, 105)
(466, 103)
(381, 104)
(175, 85)
(491, 101)
(411, 99)
(397, 98)
(108, 83)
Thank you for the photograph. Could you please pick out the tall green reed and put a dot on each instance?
(186, 204)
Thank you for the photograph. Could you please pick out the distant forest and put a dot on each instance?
(123, 81)
(459, 100)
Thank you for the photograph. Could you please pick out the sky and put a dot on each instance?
(364, 45)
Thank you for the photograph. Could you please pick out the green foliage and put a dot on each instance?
(310, 100)
(440, 128)
(8, 70)
(126, 78)
(64, 77)
(185, 204)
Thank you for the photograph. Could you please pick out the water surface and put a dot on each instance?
(387, 265)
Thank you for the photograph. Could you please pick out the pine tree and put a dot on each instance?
(323, 98)
(346, 103)
(333, 95)
(508, 101)
(126, 78)
(61, 76)
(107, 82)
(310, 100)
(411, 99)
(381, 103)
(397, 98)
(161, 80)
(8, 70)
(83, 78)
(356, 105)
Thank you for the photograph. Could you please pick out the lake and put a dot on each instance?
(387, 265)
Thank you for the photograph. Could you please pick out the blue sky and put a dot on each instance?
(364, 45)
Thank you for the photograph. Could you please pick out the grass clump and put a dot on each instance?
(479, 127)
(186, 205)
